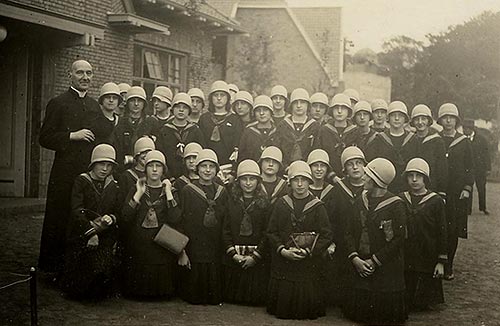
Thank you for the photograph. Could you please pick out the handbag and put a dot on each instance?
(244, 250)
(171, 239)
(304, 240)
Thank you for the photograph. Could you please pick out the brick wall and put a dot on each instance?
(89, 10)
(111, 57)
(295, 64)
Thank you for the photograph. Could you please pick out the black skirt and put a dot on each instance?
(148, 280)
(375, 307)
(88, 272)
(295, 299)
(335, 281)
(247, 287)
(202, 284)
(422, 290)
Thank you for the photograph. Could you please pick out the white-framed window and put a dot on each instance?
(155, 67)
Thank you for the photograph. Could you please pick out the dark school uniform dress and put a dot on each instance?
(65, 113)
(296, 140)
(344, 196)
(221, 134)
(425, 246)
(460, 177)
(203, 211)
(171, 142)
(254, 140)
(378, 233)
(275, 190)
(294, 287)
(244, 233)
(103, 128)
(88, 271)
(277, 120)
(126, 134)
(328, 270)
(148, 269)
(334, 140)
(182, 181)
(126, 182)
(397, 149)
(432, 149)
(365, 139)
(128, 179)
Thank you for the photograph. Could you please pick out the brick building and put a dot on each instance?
(178, 43)
(299, 46)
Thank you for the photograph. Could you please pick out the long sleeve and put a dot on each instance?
(390, 250)
(441, 173)
(52, 135)
(273, 229)
(325, 233)
(80, 223)
(130, 207)
(442, 234)
(227, 237)
(469, 166)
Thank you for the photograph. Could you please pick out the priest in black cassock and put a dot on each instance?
(66, 130)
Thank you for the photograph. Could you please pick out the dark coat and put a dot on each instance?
(426, 244)
(334, 143)
(481, 152)
(171, 142)
(460, 177)
(284, 223)
(378, 232)
(382, 146)
(460, 164)
(126, 134)
(253, 142)
(296, 144)
(230, 129)
(432, 149)
(205, 243)
(65, 113)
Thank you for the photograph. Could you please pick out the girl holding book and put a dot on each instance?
(148, 269)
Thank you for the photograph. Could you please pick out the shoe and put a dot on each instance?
(486, 212)
(449, 277)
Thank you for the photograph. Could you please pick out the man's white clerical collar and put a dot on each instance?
(81, 94)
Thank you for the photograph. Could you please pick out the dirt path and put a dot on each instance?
(473, 298)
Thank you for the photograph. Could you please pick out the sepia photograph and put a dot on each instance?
(250, 162)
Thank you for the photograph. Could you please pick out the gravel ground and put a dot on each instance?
(470, 299)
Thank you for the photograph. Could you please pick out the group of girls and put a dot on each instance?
(301, 221)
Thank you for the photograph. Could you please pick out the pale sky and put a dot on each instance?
(369, 22)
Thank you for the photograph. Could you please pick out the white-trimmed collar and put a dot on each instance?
(81, 94)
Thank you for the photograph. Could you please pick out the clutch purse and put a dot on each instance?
(171, 239)
(304, 240)
(99, 224)
(244, 250)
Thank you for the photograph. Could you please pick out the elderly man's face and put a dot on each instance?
(81, 75)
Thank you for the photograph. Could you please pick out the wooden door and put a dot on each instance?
(13, 111)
